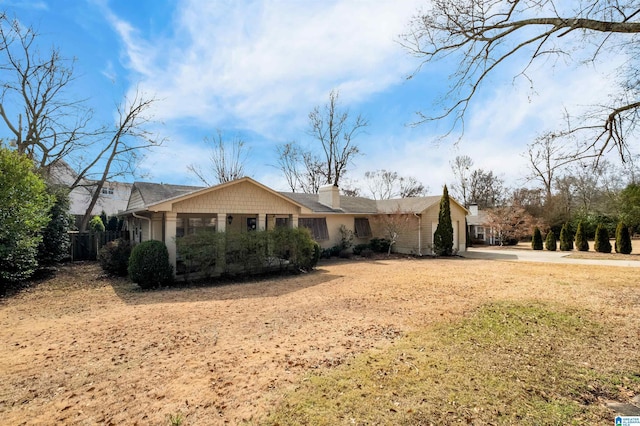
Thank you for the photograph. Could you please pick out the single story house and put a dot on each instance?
(479, 231)
(166, 212)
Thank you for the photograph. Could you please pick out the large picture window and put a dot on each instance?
(362, 227)
(317, 226)
(186, 225)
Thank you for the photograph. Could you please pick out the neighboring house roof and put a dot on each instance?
(144, 194)
(356, 205)
(477, 220)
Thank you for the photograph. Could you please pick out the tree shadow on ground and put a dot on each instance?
(229, 289)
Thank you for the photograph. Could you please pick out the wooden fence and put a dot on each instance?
(85, 245)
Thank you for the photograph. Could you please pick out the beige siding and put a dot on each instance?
(408, 241)
(430, 221)
(242, 198)
(135, 200)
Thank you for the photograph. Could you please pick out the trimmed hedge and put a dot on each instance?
(211, 253)
(149, 265)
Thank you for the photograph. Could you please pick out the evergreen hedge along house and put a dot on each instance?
(165, 212)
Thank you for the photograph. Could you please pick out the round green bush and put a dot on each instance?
(114, 257)
(149, 265)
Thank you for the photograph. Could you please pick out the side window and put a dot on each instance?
(362, 227)
(252, 224)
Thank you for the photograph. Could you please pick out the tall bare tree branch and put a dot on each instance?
(482, 35)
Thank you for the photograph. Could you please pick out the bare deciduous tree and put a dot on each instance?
(307, 169)
(484, 35)
(486, 189)
(461, 168)
(52, 128)
(392, 225)
(227, 160)
(385, 185)
(120, 155)
(44, 124)
(302, 170)
(547, 157)
(336, 130)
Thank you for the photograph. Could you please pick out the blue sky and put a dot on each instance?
(257, 68)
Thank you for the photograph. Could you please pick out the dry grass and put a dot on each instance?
(84, 349)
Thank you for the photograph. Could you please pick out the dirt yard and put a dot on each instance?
(86, 349)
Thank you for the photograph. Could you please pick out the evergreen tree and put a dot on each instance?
(443, 237)
(566, 239)
(550, 241)
(582, 244)
(602, 244)
(623, 239)
(56, 243)
(536, 241)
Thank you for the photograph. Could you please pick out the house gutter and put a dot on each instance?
(419, 233)
(148, 220)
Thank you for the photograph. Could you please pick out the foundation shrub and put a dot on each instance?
(199, 253)
(149, 265)
(379, 245)
(359, 248)
(114, 257)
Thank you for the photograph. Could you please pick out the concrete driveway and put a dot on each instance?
(499, 253)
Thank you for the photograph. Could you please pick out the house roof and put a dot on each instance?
(407, 205)
(144, 194)
(154, 194)
(479, 219)
(357, 205)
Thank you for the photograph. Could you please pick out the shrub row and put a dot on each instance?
(601, 243)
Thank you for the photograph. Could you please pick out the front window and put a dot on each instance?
(362, 227)
(192, 224)
(317, 226)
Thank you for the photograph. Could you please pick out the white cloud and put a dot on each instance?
(254, 62)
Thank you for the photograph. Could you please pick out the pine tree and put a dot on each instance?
(566, 239)
(582, 244)
(623, 239)
(443, 237)
(536, 241)
(550, 241)
(602, 244)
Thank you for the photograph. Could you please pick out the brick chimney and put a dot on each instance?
(473, 209)
(329, 195)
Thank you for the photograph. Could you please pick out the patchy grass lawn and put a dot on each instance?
(402, 341)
